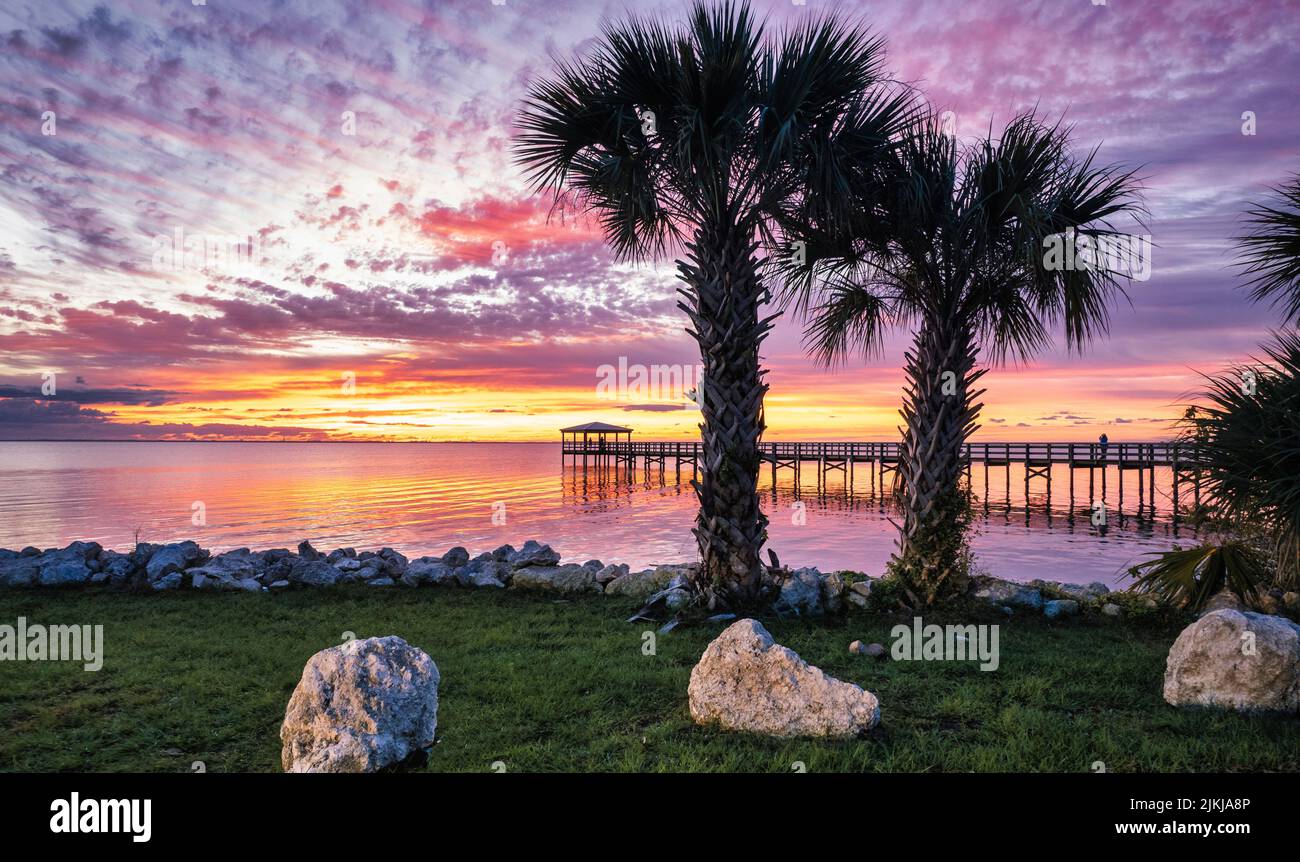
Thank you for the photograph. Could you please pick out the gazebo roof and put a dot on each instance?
(596, 427)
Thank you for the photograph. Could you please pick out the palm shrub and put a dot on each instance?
(950, 239)
(687, 141)
(1246, 438)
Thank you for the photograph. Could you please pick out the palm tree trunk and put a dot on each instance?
(939, 415)
(722, 298)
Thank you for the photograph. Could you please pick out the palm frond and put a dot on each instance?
(1270, 251)
(1189, 578)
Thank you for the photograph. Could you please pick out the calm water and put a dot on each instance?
(425, 498)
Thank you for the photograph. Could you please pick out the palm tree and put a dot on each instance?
(1271, 250)
(952, 238)
(689, 140)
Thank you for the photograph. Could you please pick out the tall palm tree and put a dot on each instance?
(688, 140)
(954, 242)
(1270, 251)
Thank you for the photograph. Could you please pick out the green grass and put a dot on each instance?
(546, 685)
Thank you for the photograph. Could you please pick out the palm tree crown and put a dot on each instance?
(959, 231)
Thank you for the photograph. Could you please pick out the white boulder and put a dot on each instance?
(360, 707)
(1236, 660)
(746, 681)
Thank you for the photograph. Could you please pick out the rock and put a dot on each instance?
(1112, 610)
(611, 573)
(314, 573)
(801, 594)
(1236, 660)
(676, 599)
(534, 554)
(457, 557)
(1058, 608)
(277, 563)
(360, 707)
(349, 564)
(833, 592)
(1001, 592)
(69, 566)
(226, 571)
(873, 650)
(640, 585)
(169, 582)
(484, 573)
(174, 558)
(279, 585)
(746, 681)
(428, 570)
(567, 580)
(594, 565)
(116, 568)
(19, 571)
(381, 582)
(307, 552)
(1084, 594)
(391, 563)
(858, 594)
(504, 553)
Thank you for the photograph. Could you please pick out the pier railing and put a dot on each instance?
(1122, 455)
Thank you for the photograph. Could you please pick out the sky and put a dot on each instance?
(365, 261)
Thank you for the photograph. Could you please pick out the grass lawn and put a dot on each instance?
(540, 684)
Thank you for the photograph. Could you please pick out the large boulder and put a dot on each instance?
(746, 681)
(361, 706)
(174, 558)
(1236, 660)
(566, 580)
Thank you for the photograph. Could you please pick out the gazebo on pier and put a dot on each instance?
(598, 439)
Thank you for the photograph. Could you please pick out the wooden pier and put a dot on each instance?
(881, 459)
